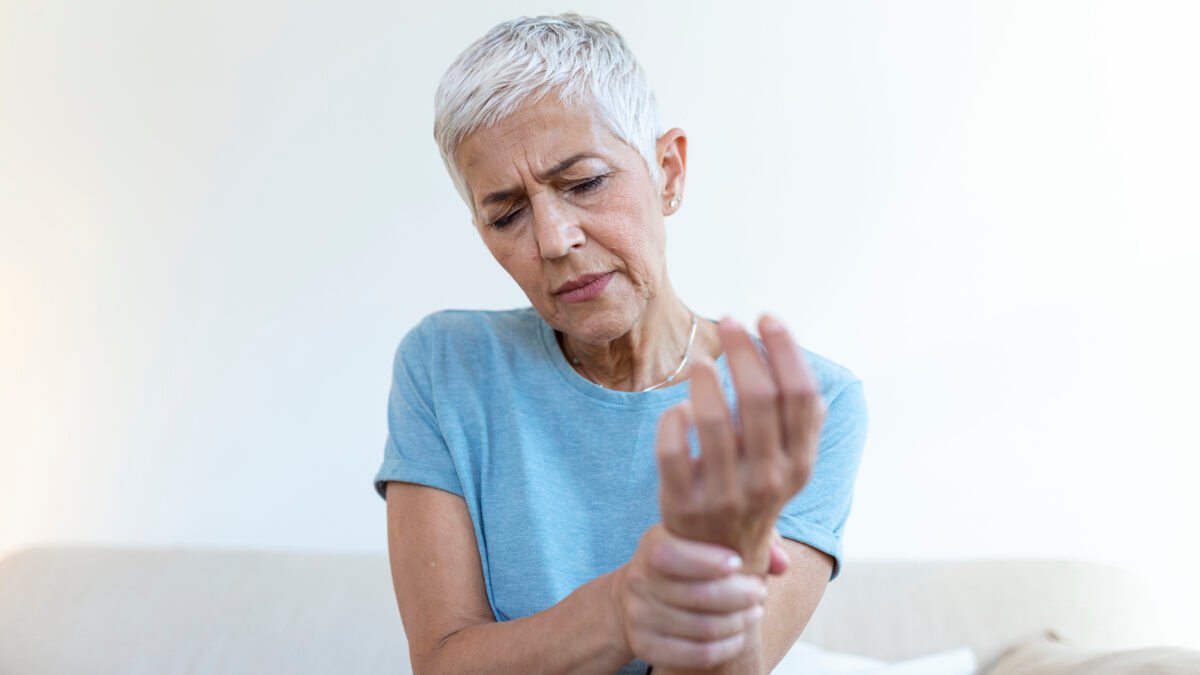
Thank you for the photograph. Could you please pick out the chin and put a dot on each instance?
(596, 324)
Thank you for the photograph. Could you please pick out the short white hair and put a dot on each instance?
(582, 60)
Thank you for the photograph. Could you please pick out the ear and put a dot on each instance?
(671, 153)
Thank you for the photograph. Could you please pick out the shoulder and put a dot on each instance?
(840, 388)
(841, 391)
(474, 321)
(833, 378)
(450, 325)
(846, 418)
(468, 333)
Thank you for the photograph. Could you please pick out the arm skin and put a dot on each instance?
(730, 496)
(450, 627)
(447, 619)
(791, 600)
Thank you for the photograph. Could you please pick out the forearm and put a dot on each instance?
(580, 634)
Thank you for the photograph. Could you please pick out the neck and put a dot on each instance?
(649, 352)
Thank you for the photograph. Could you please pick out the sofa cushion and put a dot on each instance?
(805, 659)
(1051, 655)
(896, 610)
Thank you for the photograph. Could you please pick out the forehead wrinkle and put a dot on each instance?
(511, 137)
(557, 169)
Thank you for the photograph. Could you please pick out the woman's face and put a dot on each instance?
(556, 196)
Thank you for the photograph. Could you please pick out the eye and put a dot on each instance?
(501, 222)
(582, 188)
(588, 186)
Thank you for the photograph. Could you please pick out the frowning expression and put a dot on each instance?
(559, 199)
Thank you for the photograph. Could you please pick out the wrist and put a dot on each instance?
(757, 560)
(614, 617)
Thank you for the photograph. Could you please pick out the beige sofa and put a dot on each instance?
(161, 611)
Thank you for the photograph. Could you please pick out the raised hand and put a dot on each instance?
(733, 492)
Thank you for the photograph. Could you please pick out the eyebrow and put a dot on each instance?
(509, 193)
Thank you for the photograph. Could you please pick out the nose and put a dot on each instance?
(555, 227)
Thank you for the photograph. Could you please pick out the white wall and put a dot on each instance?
(219, 218)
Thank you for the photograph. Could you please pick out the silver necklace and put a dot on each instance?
(686, 353)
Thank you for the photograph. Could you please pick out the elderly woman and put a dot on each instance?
(605, 480)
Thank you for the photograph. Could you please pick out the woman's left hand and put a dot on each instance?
(733, 492)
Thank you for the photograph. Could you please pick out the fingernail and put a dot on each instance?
(732, 563)
(756, 612)
(772, 324)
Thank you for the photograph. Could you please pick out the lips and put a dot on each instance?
(579, 282)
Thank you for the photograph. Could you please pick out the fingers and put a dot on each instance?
(672, 637)
(757, 396)
(668, 620)
(666, 651)
(734, 593)
(803, 409)
(685, 559)
(779, 557)
(675, 468)
(671, 620)
(714, 428)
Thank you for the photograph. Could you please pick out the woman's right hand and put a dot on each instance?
(748, 469)
(682, 603)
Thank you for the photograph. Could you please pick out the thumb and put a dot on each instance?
(779, 557)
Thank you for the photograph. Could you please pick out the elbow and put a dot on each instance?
(436, 658)
(428, 665)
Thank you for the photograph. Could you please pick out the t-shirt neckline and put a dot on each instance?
(657, 398)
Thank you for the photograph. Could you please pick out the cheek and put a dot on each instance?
(515, 257)
(630, 226)
(637, 241)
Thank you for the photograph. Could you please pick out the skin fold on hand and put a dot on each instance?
(683, 603)
(733, 492)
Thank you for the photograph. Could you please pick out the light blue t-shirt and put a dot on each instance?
(558, 473)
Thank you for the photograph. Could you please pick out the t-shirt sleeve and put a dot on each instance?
(415, 450)
(817, 515)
